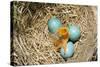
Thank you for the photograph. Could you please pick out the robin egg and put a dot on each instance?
(69, 50)
(54, 24)
(74, 32)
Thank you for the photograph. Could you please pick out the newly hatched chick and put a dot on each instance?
(63, 38)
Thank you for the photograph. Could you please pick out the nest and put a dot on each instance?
(30, 41)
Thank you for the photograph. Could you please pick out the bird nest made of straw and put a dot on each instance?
(30, 41)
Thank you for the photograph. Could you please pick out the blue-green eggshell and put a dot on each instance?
(74, 32)
(69, 52)
(54, 24)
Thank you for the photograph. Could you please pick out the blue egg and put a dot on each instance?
(54, 24)
(69, 51)
(74, 32)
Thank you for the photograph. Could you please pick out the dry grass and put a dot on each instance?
(30, 41)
